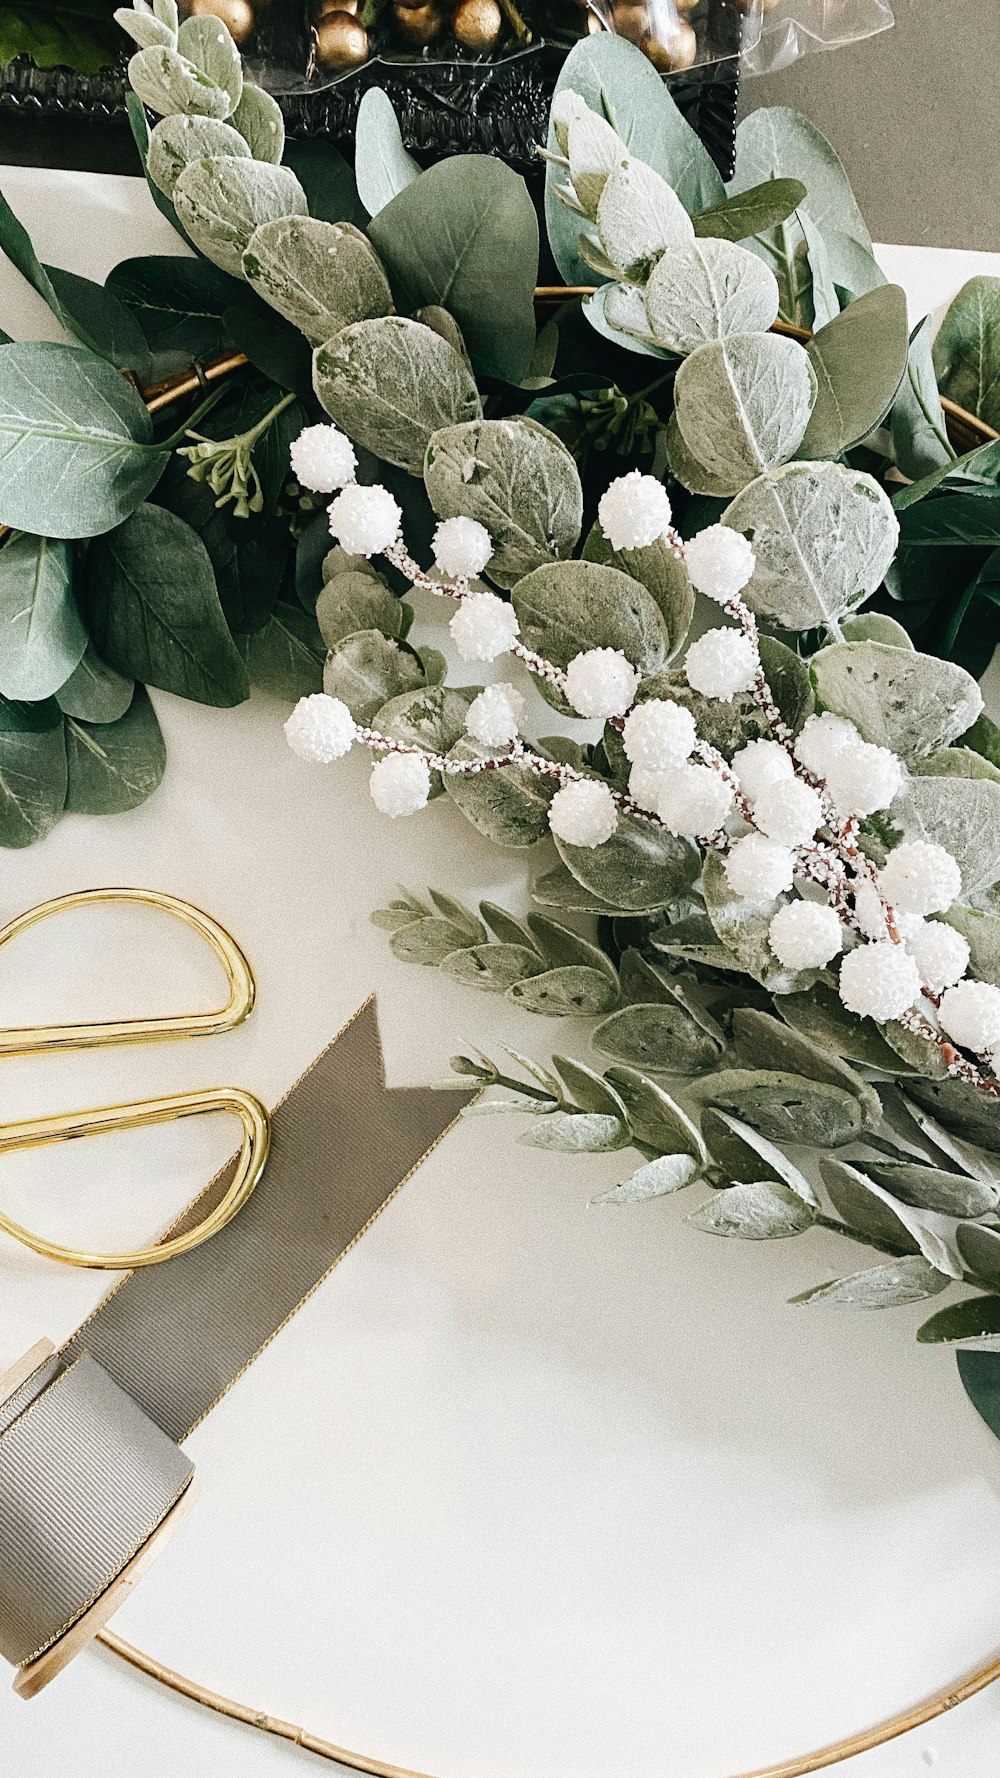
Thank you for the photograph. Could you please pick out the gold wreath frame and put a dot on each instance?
(968, 431)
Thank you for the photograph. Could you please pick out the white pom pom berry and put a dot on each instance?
(659, 734)
(940, 953)
(879, 981)
(789, 811)
(365, 520)
(920, 878)
(720, 562)
(495, 715)
(634, 511)
(970, 1013)
(601, 682)
(462, 548)
(323, 459)
(820, 741)
(694, 801)
(760, 764)
(400, 784)
(863, 779)
(320, 729)
(805, 934)
(720, 664)
(583, 813)
(759, 869)
(483, 627)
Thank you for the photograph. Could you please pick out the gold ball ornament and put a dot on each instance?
(418, 25)
(670, 51)
(631, 20)
(236, 15)
(477, 24)
(326, 7)
(341, 42)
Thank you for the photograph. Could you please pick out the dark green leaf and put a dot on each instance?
(977, 1318)
(980, 1376)
(654, 1117)
(327, 180)
(41, 637)
(32, 770)
(919, 432)
(286, 656)
(178, 303)
(863, 1208)
(967, 349)
(752, 211)
(94, 692)
(114, 766)
(859, 359)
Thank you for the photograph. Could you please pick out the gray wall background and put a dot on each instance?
(915, 115)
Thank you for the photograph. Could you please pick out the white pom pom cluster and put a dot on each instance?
(789, 811)
(659, 734)
(720, 562)
(583, 813)
(694, 801)
(645, 787)
(862, 778)
(462, 548)
(601, 682)
(483, 627)
(365, 520)
(940, 953)
(970, 1013)
(634, 511)
(820, 741)
(320, 729)
(495, 715)
(879, 981)
(920, 878)
(323, 459)
(759, 869)
(760, 764)
(806, 934)
(721, 664)
(400, 784)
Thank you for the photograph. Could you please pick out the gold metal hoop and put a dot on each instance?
(239, 976)
(66, 1126)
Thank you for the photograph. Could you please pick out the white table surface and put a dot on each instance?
(529, 1489)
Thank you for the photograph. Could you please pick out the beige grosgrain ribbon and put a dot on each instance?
(89, 1466)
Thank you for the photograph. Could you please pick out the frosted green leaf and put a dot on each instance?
(572, 991)
(656, 1120)
(368, 669)
(558, 888)
(518, 480)
(911, 703)
(930, 1188)
(822, 1016)
(320, 275)
(391, 384)
(743, 403)
(559, 944)
(874, 626)
(428, 941)
(656, 1179)
(659, 569)
(762, 1040)
(639, 216)
(758, 1210)
(206, 42)
(223, 199)
(42, 638)
(511, 807)
(961, 814)
(962, 1109)
(566, 608)
(708, 291)
(383, 167)
(663, 1039)
(684, 466)
(784, 1107)
(492, 968)
(259, 121)
(823, 536)
(618, 313)
(641, 867)
(168, 83)
(977, 1318)
(742, 927)
(980, 1249)
(594, 150)
(176, 141)
(357, 601)
(145, 30)
(736, 1145)
(432, 717)
(577, 1132)
(899, 1281)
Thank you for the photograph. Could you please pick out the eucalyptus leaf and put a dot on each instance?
(321, 276)
(577, 1132)
(42, 638)
(590, 1091)
(259, 121)
(384, 168)
(708, 291)
(641, 868)
(206, 41)
(661, 1039)
(919, 432)
(177, 140)
(655, 1179)
(494, 968)
(859, 359)
(391, 384)
(617, 312)
(518, 480)
(465, 236)
(32, 770)
(94, 692)
(822, 1016)
(967, 350)
(977, 1318)
(114, 766)
(285, 657)
(656, 1120)
(823, 537)
(658, 568)
(874, 626)
(750, 212)
(506, 928)
(981, 1381)
(911, 703)
(358, 601)
(743, 403)
(906, 1280)
(222, 199)
(432, 717)
(566, 607)
(75, 440)
(777, 142)
(571, 991)
(367, 669)
(179, 303)
(686, 468)
(151, 606)
(639, 215)
(757, 1210)
(784, 1107)
(428, 941)
(511, 807)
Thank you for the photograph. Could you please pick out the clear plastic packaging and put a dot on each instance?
(794, 28)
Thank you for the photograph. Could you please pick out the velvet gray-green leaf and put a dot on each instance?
(384, 168)
(695, 940)
(94, 692)
(761, 1041)
(859, 359)
(321, 276)
(432, 717)
(906, 1280)
(929, 1188)
(784, 1107)
(177, 140)
(641, 868)
(41, 636)
(660, 570)
(151, 606)
(518, 480)
(758, 1210)
(565, 608)
(654, 1117)
(506, 928)
(571, 991)
(961, 814)
(590, 1091)
(661, 1038)
(75, 440)
(964, 1110)
(32, 770)
(823, 536)
(114, 766)
(465, 235)
(206, 41)
(743, 1154)
(743, 926)
(980, 1249)
(428, 941)
(911, 703)
(558, 888)
(967, 349)
(391, 384)
(168, 83)
(367, 669)
(655, 1179)
(259, 121)
(862, 1207)
(875, 626)
(685, 467)
(285, 657)
(494, 968)
(729, 726)
(977, 1318)
(221, 201)
(576, 1132)
(707, 291)
(743, 403)
(559, 944)
(511, 807)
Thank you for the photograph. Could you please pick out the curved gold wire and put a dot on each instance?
(68, 1125)
(239, 976)
(797, 1767)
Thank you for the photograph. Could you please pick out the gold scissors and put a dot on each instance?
(64, 1126)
